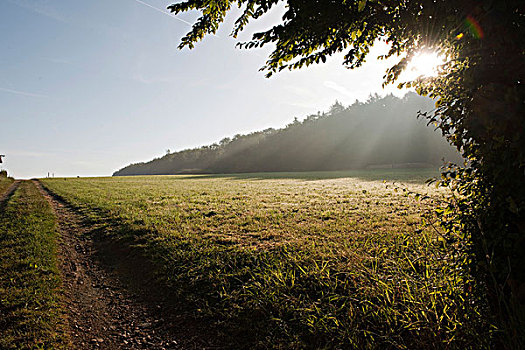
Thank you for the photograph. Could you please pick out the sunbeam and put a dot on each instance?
(424, 64)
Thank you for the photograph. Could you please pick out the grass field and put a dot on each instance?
(317, 260)
(31, 316)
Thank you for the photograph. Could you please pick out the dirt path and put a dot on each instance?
(102, 312)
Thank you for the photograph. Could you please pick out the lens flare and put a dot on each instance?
(473, 26)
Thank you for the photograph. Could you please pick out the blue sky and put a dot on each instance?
(87, 87)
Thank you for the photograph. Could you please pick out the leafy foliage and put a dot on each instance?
(480, 104)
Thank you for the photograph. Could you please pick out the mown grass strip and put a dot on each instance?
(31, 317)
(5, 182)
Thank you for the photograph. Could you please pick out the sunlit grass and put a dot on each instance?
(283, 262)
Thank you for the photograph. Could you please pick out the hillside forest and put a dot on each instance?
(381, 132)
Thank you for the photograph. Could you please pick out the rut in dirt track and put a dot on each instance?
(102, 313)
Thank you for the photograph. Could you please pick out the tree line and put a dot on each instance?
(381, 132)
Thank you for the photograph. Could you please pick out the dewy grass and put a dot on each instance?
(31, 317)
(278, 262)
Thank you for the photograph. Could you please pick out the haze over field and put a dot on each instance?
(89, 87)
(380, 133)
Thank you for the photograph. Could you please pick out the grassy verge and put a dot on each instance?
(292, 263)
(29, 279)
(5, 182)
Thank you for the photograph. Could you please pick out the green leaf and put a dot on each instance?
(361, 5)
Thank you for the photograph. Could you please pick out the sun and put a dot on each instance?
(424, 65)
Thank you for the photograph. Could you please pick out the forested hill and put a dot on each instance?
(381, 132)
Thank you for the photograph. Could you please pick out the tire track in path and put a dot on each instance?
(102, 313)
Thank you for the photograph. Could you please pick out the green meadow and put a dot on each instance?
(292, 260)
